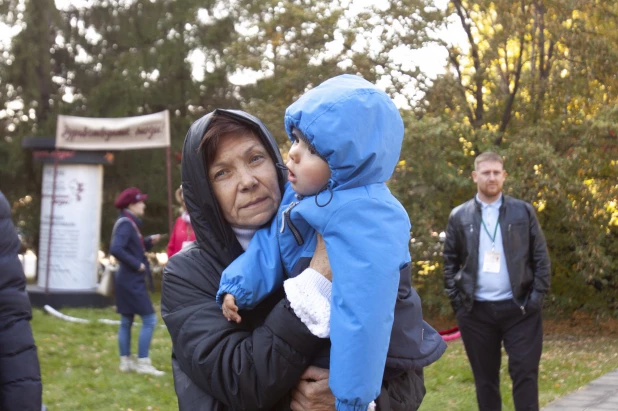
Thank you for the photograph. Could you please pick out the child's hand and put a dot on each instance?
(230, 310)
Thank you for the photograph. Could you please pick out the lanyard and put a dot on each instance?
(493, 239)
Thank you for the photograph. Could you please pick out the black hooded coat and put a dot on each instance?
(20, 373)
(220, 365)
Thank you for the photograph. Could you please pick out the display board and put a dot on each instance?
(72, 213)
(126, 133)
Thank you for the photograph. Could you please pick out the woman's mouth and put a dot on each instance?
(255, 202)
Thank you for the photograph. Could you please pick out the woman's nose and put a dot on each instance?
(247, 180)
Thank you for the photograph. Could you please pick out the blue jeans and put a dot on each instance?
(145, 335)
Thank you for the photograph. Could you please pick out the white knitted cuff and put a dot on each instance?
(309, 295)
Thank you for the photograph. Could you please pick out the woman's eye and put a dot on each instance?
(256, 158)
(313, 150)
(219, 174)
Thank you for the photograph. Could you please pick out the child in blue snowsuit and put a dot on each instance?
(346, 136)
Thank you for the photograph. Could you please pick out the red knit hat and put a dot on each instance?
(129, 196)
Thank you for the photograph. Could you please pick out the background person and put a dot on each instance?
(129, 247)
(20, 374)
(182, 234)
(220, 365)
(496, 273)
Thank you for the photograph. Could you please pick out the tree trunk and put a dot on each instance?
(479, 110)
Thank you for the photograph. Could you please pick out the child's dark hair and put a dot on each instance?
(299, 135)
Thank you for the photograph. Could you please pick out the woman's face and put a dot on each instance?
(244, 180)
(137, 209)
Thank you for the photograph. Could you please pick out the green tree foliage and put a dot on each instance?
(30, 96)
(532, 81)
(293, 45)
(115, 58)
(110, 59)
(137, 63)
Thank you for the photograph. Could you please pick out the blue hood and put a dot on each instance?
(353, 125)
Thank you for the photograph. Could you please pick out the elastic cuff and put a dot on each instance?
(312, 278)
(343, 406)
(309, 294)
(240, 295)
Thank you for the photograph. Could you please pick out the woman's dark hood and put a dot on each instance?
(213, 234)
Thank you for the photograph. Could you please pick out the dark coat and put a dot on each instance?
(525, 251)
(20, 374)
(220, 365)
(130, 284)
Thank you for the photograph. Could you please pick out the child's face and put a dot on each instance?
(308, 173)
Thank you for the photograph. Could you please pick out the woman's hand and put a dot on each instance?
(312, 392)
(319, 261)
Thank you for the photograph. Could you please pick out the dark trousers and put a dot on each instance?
(483, 330)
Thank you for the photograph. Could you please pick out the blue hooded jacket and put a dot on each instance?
(358, 130)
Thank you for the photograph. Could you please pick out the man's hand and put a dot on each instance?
(319, 261)
(230, 309)
(155, 238)
(312, 392)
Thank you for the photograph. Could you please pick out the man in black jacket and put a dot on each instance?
(496, 274)
(20, 375)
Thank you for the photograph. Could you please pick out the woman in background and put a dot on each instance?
(182, 234)
(129, 248)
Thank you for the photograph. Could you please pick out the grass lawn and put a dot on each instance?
(568, 363)
(79, 364)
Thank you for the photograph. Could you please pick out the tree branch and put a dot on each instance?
(507, 74)
(453, 59)
(540, 11)
(476, 61)
(508, 109)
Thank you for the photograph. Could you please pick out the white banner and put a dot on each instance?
(126, 133)
(75, 221)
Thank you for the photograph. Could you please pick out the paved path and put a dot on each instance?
(600, 395)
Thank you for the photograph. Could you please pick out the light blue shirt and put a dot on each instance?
(492, 286)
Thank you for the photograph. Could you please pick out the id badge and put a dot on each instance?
(491, 264)
(186, 244)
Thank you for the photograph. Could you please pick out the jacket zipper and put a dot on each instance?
(521, 307)
(478, 243)
(287, 219)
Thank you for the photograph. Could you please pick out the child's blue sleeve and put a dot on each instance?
(367, 241)
(255, 273)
